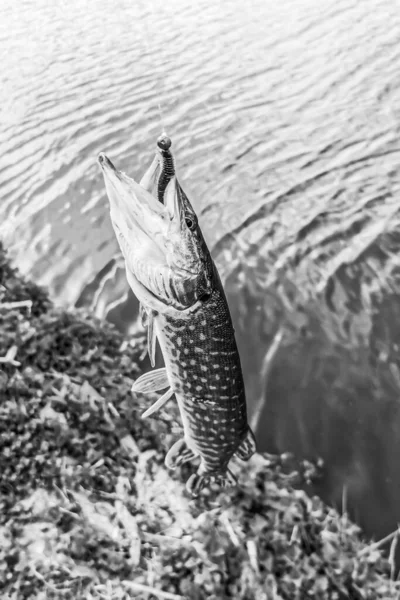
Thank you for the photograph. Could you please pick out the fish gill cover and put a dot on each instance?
(88, 510)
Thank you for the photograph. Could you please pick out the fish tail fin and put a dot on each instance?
(247, 447)
(200, 480)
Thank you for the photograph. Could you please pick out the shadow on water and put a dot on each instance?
(333, 390)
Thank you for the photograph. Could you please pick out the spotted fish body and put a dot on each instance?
(204, 371)
(194, 329)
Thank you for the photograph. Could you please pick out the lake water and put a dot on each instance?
(285, 120)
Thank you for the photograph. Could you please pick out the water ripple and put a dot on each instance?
(274, 109)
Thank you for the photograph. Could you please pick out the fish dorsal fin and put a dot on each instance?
(158, 404)
(151, 381)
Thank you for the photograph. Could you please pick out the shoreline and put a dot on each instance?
(88, 510)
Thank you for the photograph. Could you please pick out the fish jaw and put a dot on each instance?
(160, 251)
(132, 207)
(140, 224)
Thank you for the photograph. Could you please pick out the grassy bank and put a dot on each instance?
(87, 509)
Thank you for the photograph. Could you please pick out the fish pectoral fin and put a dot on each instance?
(179, 454)
(247, 447)
(153, 381)
(200, 480)
(158, 404)
(151, 339)
(143, 315)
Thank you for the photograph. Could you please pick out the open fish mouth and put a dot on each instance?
(152, 221)
(134, 211)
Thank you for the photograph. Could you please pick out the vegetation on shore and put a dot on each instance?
(88, 510)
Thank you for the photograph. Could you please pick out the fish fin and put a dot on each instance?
(151, 339)
(143, 315)
(153, 381)
(200, 480)
(247, 447)
(158, 404)
(147, 319)
(178, 454)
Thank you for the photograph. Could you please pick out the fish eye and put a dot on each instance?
(191, 222)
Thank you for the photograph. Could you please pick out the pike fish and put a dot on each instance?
(170, 270)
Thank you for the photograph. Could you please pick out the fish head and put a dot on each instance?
(158, 233)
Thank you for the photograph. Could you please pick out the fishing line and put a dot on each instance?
(160, 76)
(162, 122)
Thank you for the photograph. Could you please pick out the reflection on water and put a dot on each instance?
(285, 124)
